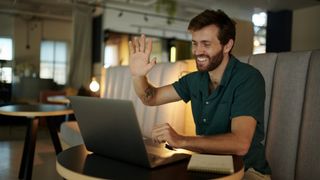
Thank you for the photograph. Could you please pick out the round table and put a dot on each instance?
(78, 163)
(35, 110)
(32, 112)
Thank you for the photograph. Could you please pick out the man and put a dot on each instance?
(227, 96)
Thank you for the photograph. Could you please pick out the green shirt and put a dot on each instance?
(241, 93)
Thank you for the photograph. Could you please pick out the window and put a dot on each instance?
(6, 49)
(110, 56)
(6, 54)
(53, 61)
(6, 74)
(259, 42)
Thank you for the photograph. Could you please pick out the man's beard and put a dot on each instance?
(214, 61)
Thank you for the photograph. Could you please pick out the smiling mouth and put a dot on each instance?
(202, 59)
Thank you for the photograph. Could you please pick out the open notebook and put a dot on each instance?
(221, 164)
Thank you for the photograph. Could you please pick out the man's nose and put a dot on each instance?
(198, 50)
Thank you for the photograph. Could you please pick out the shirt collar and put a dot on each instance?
(205, 79)
(228, 71)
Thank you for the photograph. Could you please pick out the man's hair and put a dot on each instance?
(226, 25)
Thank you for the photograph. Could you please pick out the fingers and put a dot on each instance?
(142, 42)
(160, 133)
(138, 44)
(140, 63)
(159, 139)
(148, 46)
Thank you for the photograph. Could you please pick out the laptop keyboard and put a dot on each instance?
(158, 151)
(158, 154)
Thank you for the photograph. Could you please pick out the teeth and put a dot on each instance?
(201, 58)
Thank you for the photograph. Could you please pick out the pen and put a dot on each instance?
(169, 147)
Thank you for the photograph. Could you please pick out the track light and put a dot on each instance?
(120, 14)
(145, 18)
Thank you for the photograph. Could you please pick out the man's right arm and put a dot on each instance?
(153, 96)
(140, 65)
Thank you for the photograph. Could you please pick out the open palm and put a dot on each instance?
(140, 50)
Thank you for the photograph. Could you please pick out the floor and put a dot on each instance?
(11, 145)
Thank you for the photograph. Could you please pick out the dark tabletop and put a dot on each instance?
(78, 160)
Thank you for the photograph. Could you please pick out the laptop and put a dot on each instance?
(110, 128)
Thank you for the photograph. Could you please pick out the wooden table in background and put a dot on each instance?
(33, 112)
(58, 99)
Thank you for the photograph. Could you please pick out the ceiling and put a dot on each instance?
(242, 9)
(185, 9)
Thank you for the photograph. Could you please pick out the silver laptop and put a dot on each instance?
(110, 128)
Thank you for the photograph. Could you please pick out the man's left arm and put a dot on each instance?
(237, 141)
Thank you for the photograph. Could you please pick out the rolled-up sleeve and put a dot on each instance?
(182, 88)
(249, 97)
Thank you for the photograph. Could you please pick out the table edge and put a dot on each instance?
(68, 174)
(34, 114)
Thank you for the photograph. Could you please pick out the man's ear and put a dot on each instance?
(227, 48)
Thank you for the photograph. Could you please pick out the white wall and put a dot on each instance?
(57, 30)
(38, 29)
(155, 26)
(22, 54)
(306, 29)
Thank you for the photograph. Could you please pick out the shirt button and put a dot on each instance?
(207, 102)
(204, 120)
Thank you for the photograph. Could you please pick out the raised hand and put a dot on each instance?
(140, 50)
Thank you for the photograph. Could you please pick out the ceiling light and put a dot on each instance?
(94, 85)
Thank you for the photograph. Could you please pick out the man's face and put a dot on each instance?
(206, 48)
